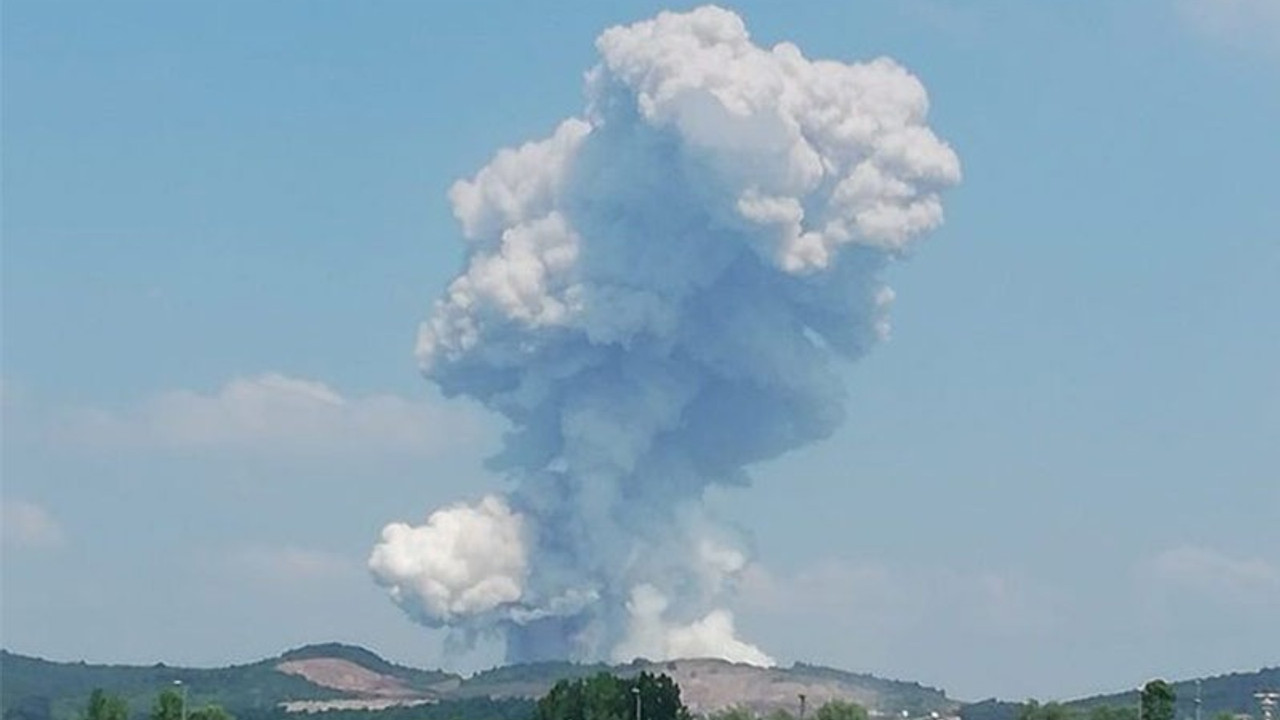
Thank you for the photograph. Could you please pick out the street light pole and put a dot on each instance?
(634, 691)
(1268, 700)
(180, 684)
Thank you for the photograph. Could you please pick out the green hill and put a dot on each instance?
(431, 681)
(352, 683)
(28, 683)
(345, 680)
(1232, 693)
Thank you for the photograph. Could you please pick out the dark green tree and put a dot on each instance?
(210, 712)
(102, 706)
(660, 698)
(97, 704)
(1111, 712)
(168, 705)
(842, 710)
(1158, 700)
(1033, 710)
(606, 697)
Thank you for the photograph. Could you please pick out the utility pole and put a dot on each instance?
(183, 685)
(1199, 698)
(1268, 700)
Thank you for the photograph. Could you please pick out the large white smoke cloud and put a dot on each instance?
(463, 562)
(654, 298)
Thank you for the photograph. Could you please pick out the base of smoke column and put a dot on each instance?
(544, 640)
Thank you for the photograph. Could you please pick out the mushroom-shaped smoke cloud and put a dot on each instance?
(654, 298)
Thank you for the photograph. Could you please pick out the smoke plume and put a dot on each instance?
(655, 297)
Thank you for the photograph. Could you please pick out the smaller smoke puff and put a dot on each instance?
(650, 636)
(466, 560)
(656, 297)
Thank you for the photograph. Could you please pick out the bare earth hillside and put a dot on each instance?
(709, 685)
(348, 677)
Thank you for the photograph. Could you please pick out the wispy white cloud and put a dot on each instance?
(1216, 575)
(27, 524)
(274, 414)
(1252, 25)
(949, 17)
(826, 585)
(989, 601)
(904, 619)
(293, 565)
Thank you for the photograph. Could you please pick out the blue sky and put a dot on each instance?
(1060, 475)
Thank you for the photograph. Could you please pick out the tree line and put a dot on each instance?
(652, 697)
(607, 697)
(1157, 700)
(830, 710)
(170, 704)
